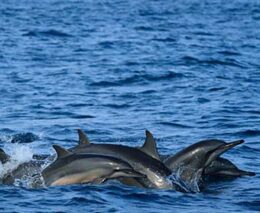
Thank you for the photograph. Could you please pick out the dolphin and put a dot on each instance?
(155, 171)
(222, 167)
(197, 157)
(71, 168)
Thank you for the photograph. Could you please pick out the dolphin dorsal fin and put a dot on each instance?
(61, 152)
(83, 139)
(3, 156)
(149, 146)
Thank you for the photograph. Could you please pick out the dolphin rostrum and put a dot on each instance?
(155, 171)
(71, 168)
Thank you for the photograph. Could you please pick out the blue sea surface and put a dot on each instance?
(187, 70)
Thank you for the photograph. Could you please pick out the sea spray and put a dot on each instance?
(19, 154)
(190, 185)
(1, 169)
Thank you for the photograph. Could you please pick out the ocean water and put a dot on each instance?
(187, 70)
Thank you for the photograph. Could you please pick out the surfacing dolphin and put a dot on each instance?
(220, 167)
(224, 168)
(71, 168)
(155, 171)
(198, 157)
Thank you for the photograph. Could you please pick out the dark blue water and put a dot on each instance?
(186, 70)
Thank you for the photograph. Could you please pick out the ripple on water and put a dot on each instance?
(47, 33)
(187, 70)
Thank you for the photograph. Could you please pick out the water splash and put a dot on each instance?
(33, 182)
(18, 154)
(190, 184)
(26, 137)
(1, 169)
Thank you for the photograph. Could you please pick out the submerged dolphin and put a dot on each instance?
(222, 167)
(198, 157)
(155, 171)
(71, 168)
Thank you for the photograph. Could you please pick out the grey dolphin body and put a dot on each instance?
(220, 167)
(224, 168)
(197, 157)
(71, 168)
(155, 171)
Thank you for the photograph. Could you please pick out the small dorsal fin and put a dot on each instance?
(83, 139)
(3, 156)
(61, 152)
(149, 146)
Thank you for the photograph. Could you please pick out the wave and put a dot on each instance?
(144, 28)
(60, 114)
(47, 33)
(189, 60)
(27, 137)
(117, 106)
(214, 89)
(250, 205)
(139, 78)
(167, 40)
(203, 100)
(248, 133)
(229, 53)
(174, 124)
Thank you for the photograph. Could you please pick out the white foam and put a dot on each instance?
(189, 185)
(19, 154)
(1, 169)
